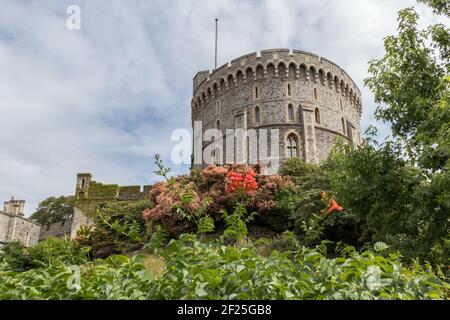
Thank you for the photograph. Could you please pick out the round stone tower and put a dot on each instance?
(309, 99)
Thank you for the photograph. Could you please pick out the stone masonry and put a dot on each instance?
(15, 227)
(311, 100)
(91, 195)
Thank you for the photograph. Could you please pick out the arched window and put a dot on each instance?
(322, 76)
(336, 83)
(257, 115)
(230, 81)
(292, 70)
(218, 107)
(343, 125)
(289, 89)
(281, 70)
(249, 75)
(312, 74)
(302, 72)
(259, 72)
(317, 114)
(256, 92)
(270, 70)
(239, 78)
(290, 112)
(218, 124)
(330, 80)
(316, 95)
(292, 146)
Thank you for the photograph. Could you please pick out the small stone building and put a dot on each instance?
(15, 227)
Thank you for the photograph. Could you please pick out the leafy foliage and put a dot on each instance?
(18, 258)
(212, 270)
(411, 85)
(118, 228)
(410, 199)
(237, 222)
(197, 201)
(439, 6)
(54, 209)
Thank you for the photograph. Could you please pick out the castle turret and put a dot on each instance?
(306, 100)
(82, 187)
(14, 207)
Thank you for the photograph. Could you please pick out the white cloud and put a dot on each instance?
(106, 98)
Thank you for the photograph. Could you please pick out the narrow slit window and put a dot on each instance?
(290, 112)
(317, 115)
(257, 115)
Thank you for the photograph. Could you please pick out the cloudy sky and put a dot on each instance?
(104, 99)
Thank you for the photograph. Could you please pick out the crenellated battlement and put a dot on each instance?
(227, 73)
(90, 190)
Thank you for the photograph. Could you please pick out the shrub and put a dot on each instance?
(212, 270)
(18, 258)
(207, 192)
(396, 202)
(118, 228)
(14, 255)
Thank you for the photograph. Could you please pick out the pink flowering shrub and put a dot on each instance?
(220, 184)
(166, 199)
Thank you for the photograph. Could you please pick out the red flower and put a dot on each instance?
(242, 182)
(334, 207)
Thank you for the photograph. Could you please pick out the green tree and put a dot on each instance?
(439, 6)
(411, 84)
(54, 209)
(401, 189)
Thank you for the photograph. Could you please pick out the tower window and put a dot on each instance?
(340, 102)
(317, 115)
(256, 92)
(290, 112)
(217, 156)
(316, 96)
(289, 89)
(257, 115)
(218, 124)
(292, 146)
(343, 125)
(218, 107)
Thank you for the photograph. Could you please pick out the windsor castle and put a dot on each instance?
(309, 100)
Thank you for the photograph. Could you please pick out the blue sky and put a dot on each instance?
(104, 99)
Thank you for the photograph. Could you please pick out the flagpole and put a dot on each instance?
(215, 50)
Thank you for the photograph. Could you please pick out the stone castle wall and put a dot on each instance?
(325, 101)
(91, 195)
(17, 228)
(58, 230)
